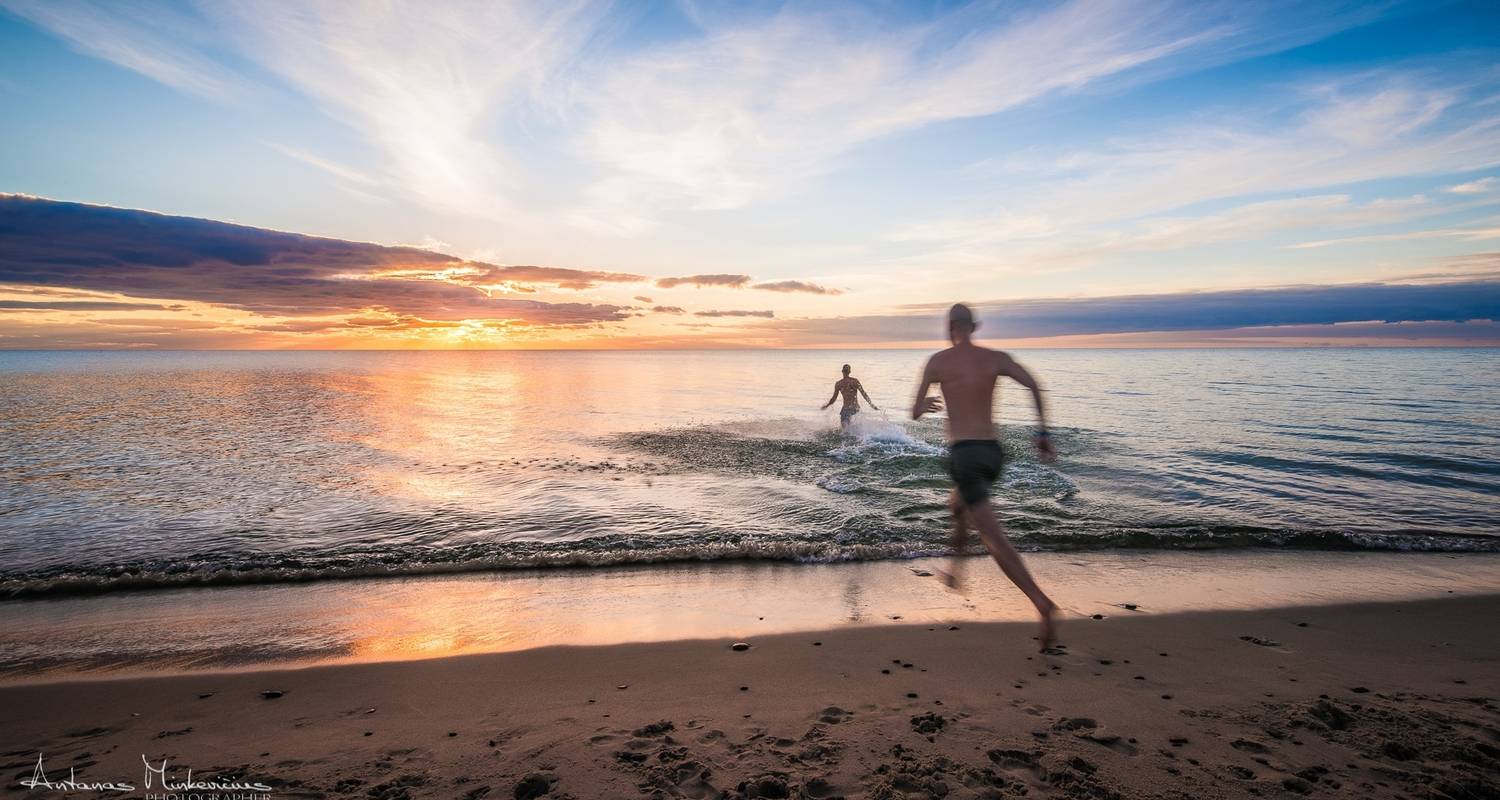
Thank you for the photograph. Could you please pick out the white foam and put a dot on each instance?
(870, 429)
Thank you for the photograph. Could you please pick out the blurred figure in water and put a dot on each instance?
(850, 388)
(967, 374)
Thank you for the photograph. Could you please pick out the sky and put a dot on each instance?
(259, 174)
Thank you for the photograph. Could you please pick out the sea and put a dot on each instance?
(156, 470)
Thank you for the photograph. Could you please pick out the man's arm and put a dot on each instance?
(1013, 370)
(924, 404)
(834, 397)
(866, 396)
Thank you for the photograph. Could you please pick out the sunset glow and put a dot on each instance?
(782, 175)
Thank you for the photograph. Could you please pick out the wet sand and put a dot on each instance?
(390, 619)
(1369, 700)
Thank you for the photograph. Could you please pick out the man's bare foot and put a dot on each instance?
(1048, 637)
(949, 579)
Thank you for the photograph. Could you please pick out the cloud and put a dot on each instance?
(763, 314)
(743, 282)
(80, 305)
(731, 107)
(731, 281)
(1121, 196)
(422, 83)
(1461, 301)
(1480, 186)
(667, 309)
(640, 298)
(143, 254)
(755, 106)
(561, 277)
(164, 43)
(1467, 234)
(336, 169)
(795, 286)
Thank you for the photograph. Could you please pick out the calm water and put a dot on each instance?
(162, 469)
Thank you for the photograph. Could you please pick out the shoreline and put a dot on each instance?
(274, 626)
(1372, 699)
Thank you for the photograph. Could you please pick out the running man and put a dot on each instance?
(967, 373)
(851, 389)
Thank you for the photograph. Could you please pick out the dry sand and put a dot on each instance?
(1373, 700)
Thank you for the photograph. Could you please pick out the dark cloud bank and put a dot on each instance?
(61, 245)
(1461, 301)
(142, 254)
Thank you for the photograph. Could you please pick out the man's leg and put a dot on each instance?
(959, 540)
(982, 516)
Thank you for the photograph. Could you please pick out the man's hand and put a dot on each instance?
(826, 405)
(930, 405)
(1046, 449)
(874, 407)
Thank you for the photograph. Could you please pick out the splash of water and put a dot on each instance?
(877, 433)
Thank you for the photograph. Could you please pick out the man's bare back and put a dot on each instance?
(850, 387)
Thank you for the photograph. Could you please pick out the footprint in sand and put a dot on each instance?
(1017, 761)
(833, 715)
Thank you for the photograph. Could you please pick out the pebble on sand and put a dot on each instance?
(272, 694)
(740, 646)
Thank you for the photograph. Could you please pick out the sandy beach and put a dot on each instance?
(1366, 700)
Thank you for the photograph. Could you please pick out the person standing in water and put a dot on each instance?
(851, 389)
(967, 374)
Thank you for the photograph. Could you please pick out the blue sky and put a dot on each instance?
(899, 155)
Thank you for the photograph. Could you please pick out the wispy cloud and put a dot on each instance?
(79, 305)
(158, 40)
(795, 286)
(424, 82)
(752, 105)
(336, 169)
(747, 110)
(1466, 234)
(717, 279)
(1129, 195)
(763, 314)
(1480, 186)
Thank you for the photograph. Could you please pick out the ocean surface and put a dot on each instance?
(150, 470)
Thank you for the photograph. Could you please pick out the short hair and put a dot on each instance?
(846, 368)
(961, 315)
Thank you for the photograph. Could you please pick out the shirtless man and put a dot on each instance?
(967, 373)
(850, 388)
